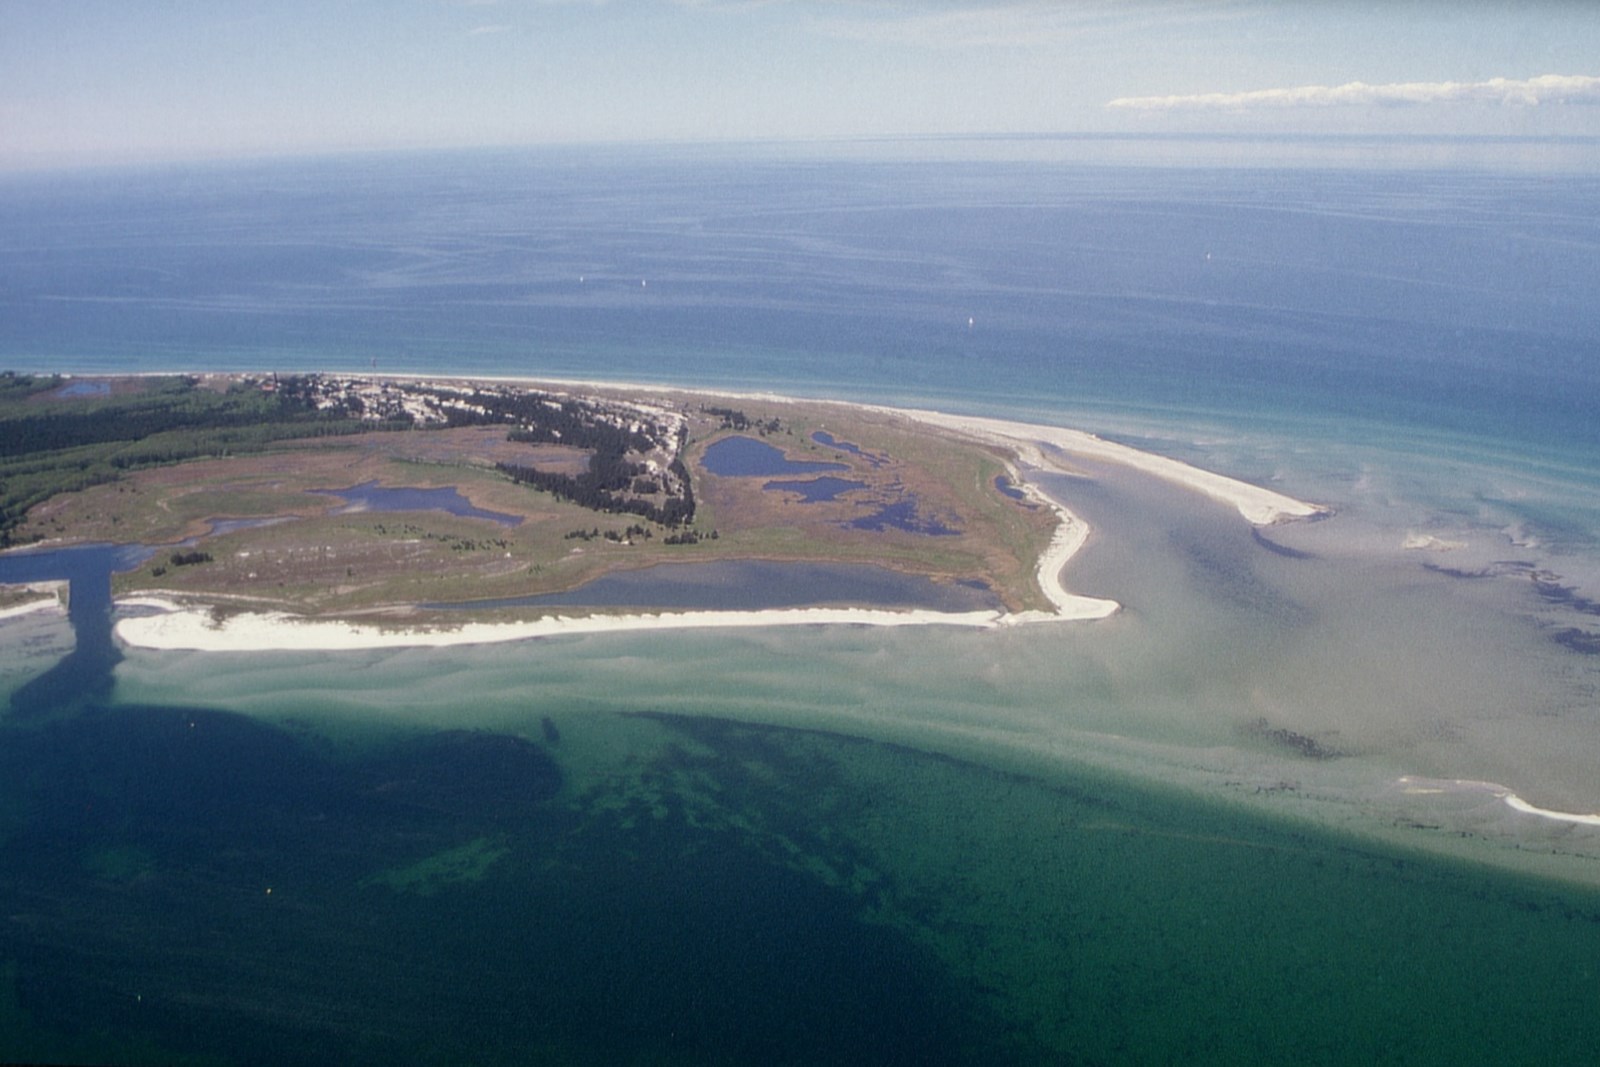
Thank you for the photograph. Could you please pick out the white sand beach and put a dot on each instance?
(171, 625)
(49, 597)
(1413, 785)
(1262, 507)
(180, 627)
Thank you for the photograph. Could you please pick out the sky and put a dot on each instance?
(91, 82)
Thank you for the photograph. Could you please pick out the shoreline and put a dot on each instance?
(183, 628)
(191, 627)
(50, 596)
(33, 607)
(1258, 506)
(1415, 786)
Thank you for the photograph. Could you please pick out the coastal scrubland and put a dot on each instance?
(238, 479)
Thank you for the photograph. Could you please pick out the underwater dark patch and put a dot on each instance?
(193, 881)
(1279, 550)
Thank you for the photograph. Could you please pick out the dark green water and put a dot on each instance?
(722, 893)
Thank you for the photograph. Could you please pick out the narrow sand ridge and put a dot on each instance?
(1262, 507)
(1414, 785)
(176, 626)
(50, 597)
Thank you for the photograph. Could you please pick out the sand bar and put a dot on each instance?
(1262, 507)
(1414, 785)
(1518, 804)
(51, 596)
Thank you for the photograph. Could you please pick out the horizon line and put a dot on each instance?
(310, 153)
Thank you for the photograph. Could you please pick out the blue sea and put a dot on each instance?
(1258, 816)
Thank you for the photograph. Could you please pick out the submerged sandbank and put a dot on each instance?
(175, 626)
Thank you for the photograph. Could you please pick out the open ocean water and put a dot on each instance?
(1252, 818)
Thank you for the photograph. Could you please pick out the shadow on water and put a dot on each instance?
(199, 883)
(84, 674)
(188, 883)
(181, 884)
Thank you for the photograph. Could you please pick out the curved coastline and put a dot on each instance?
(1417, 786)
(1258, 506)
(173, 626)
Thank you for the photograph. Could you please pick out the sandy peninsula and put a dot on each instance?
(29, 598)
(1039, 446)
(166, 624)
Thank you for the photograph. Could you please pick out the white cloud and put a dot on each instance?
(1547, 89)
(478, 31)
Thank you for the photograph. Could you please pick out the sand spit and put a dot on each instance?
(50, 597)
(173, 626)
(1421, 786)
(1262, 507)
(1517, 803)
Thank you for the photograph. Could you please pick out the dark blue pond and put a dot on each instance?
(80, 390)
(369, 496)
(823, 437)
(1004, 484)
(742, 457)
(817, 490)
(901, 515)
(753, 585)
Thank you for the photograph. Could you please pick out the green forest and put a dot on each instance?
(62, 434)
(55, 438)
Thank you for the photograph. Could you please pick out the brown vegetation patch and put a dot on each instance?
(476, 446)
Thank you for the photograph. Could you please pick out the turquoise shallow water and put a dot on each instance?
(1191, 832)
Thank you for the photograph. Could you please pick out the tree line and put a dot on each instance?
(50, 446)
(542, 419)
(601, 488)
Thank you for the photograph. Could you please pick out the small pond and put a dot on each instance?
(901, 515)
(1009, 488)
(743, 457)
(369, 496)
(823, 437)
(817, 490)
(81, 390)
